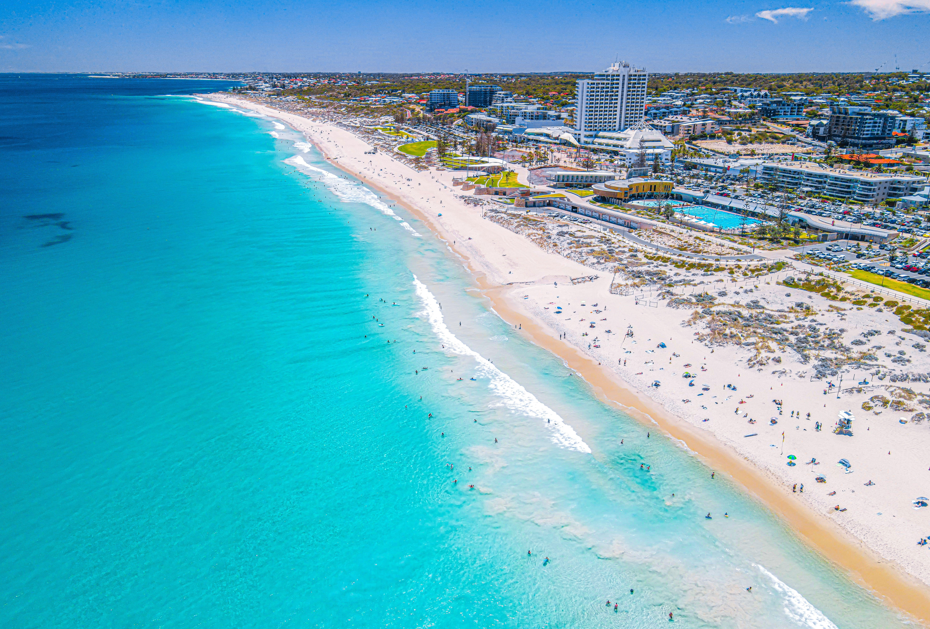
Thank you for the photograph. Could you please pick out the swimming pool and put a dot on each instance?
(718, 218)
(656, 203)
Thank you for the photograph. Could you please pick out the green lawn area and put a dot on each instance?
(417, 149)
(582, 193)
(550, 196)
(462, 162)
(394, 132)
(901, 287)
(506, 179)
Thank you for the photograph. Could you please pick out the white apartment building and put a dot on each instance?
(865, 187)
(614, 100)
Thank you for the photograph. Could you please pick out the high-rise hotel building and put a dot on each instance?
(614, 100)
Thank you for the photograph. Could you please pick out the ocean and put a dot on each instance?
(240, 389)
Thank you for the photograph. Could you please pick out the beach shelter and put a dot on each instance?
(844, 463)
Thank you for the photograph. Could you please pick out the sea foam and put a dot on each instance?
(513, 396)
(348, 190)
(798, 608)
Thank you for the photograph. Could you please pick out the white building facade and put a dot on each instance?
(614, 100)
(866, 187)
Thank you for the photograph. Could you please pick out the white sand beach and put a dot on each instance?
(874, 535)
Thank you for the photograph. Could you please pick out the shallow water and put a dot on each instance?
(217, 402)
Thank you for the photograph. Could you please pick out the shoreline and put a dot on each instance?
(862, 564)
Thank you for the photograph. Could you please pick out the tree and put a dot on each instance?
(656, 166)
(442, 146)
(668, 211)
(641, 156)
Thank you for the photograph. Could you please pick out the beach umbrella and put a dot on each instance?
(791, 457)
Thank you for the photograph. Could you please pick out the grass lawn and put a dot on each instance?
(462, 162)
(901, 287)
(505, 179)
(582, 193)
(550, 196)
(394, 132)
(417, 149)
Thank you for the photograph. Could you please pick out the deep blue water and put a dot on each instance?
(215, 411)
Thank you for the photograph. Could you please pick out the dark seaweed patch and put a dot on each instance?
(44, 217)
(57, 240)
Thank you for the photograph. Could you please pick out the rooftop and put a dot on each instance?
(838, 172)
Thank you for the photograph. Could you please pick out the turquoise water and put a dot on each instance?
(719, 218)
(205, 422)
(656, 203)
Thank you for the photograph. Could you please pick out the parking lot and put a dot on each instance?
(911, 268)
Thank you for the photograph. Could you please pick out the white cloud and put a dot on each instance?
(4, 46)
(772, 15)
(884, 9)
(738, 19)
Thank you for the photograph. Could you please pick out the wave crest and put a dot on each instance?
(348, 191)
(512, 394)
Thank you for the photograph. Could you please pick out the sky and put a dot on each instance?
(478, 36)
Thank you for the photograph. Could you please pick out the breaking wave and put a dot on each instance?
(348, 190)
(798, 608)
(512, 394)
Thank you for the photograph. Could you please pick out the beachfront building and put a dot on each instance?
(443, 99)
(480, 95)
(620, 191)
(578, 178)
(866, 187)
(638, 146)
(860, 127)
(614, 100)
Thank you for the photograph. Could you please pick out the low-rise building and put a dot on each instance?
(819, 130)
(640, 143)
(722, 166)
(782, 108)
(620, 191)
(578, 178)
(866, 187)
